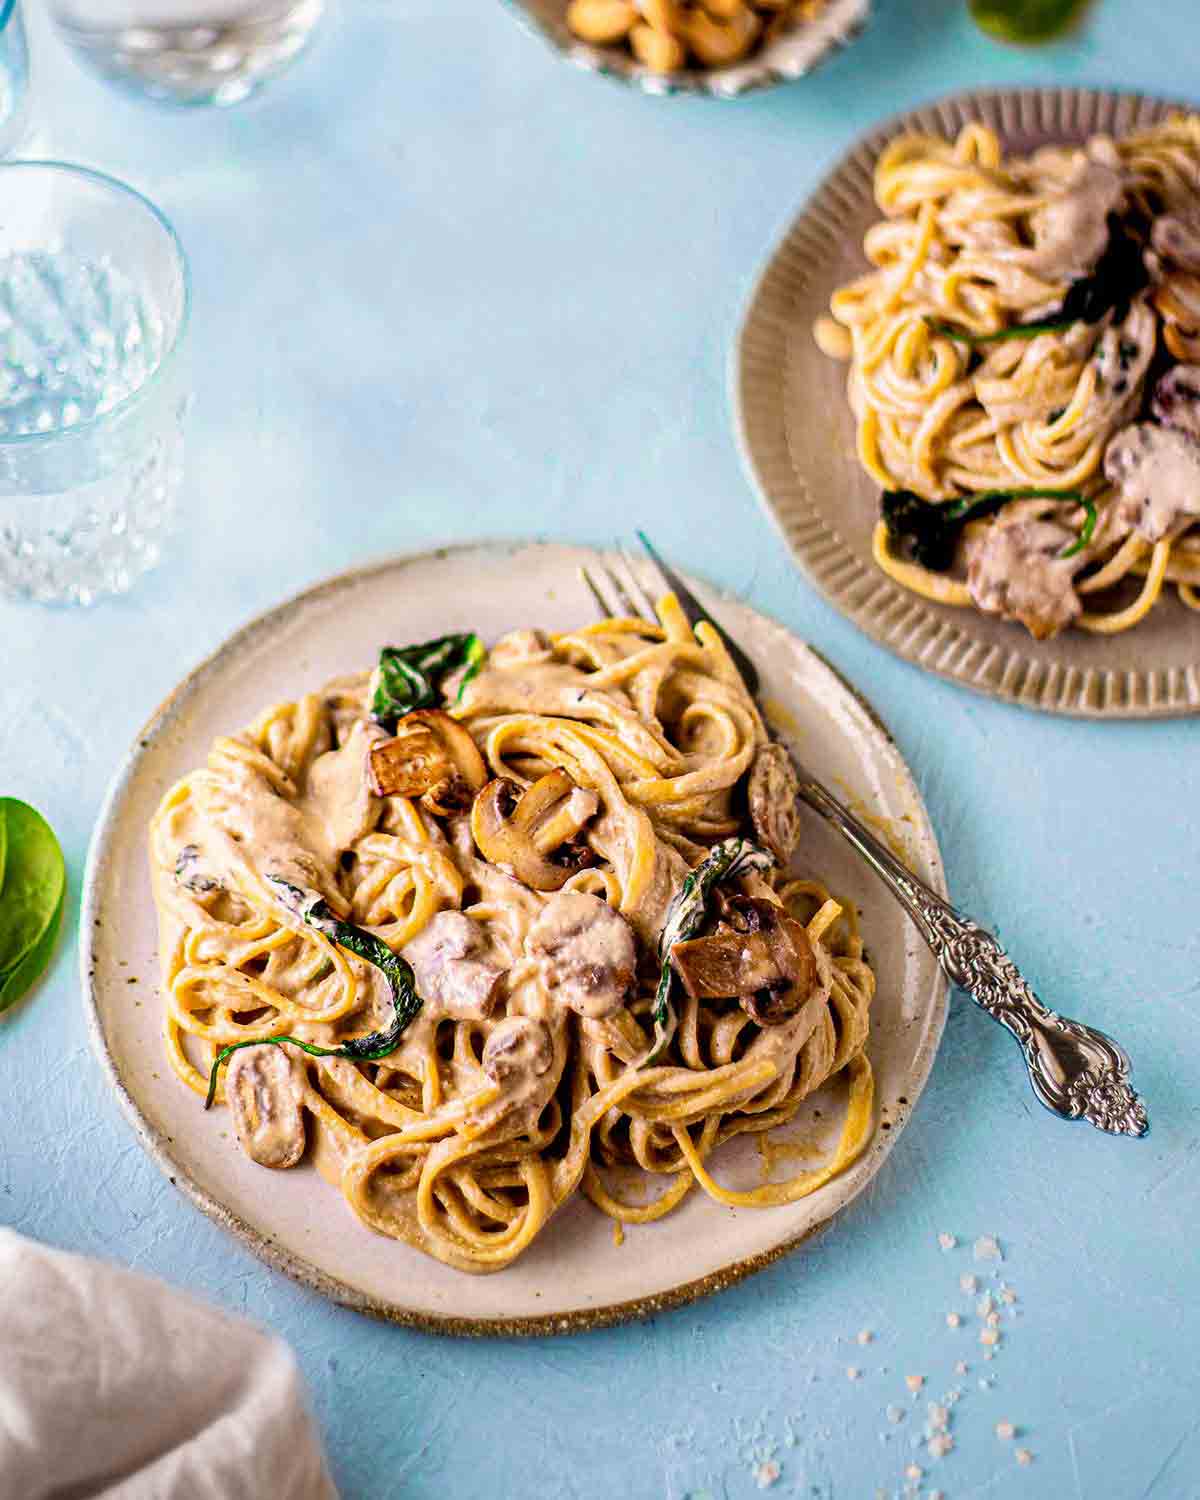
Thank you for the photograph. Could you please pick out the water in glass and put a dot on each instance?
(93, 309)
(189, 51)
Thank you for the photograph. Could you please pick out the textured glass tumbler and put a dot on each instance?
(189, 51)
(93, 386)
(14, 77)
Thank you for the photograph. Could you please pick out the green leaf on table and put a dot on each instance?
(28, 970)
(31, 896)
(3, 843)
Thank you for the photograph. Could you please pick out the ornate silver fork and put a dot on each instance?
(1077, 1072)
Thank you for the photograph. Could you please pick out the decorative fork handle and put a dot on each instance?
(1076, 1071)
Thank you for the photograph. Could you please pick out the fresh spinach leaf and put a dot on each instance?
(31, 896)
(25, 973)
(410, 677)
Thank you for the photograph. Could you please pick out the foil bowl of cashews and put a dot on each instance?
(722, 48)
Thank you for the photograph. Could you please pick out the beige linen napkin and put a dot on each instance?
(113, 1385)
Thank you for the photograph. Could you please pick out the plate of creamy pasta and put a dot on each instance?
(968, 388)
(436, 927)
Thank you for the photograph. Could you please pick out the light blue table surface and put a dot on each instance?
(446, 286)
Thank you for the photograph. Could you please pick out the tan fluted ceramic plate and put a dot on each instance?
(574, 1276)
(835, 25)
(797, 438)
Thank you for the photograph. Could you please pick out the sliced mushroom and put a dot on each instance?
(1177, 300)
(455, 970)
(1157, 470)
(1176, 400)
(517, 1045)
(264, 1100)
(1175, 261)
(773, 795)
(1016, 570)
(759, 954)
(431, 756)
(586, 953)
(535, 833)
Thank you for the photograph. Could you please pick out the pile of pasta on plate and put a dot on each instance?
(1024, 371)
(475, 931)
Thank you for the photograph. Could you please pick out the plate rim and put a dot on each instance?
(298, 1267)
(827, 563)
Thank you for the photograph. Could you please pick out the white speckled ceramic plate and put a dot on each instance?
(574, 1276)
(797, 438)
(836, 25)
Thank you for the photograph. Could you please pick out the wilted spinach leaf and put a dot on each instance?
(928, 532)
(410, 677)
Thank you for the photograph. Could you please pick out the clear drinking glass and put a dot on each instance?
(189, 51)
(93, 390)
(14, 77)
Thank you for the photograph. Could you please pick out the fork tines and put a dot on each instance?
(617, 595)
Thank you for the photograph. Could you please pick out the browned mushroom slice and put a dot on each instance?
(265, 1104)
(1176, 238)
(431, 756)
(517, 1045)
(773, 795)
(586, 953)
(1176, 298)
(535, 833)
(759, 954)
